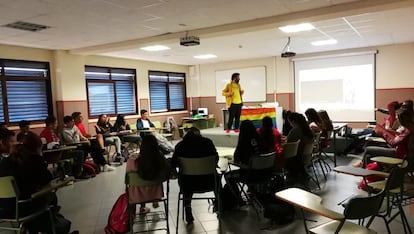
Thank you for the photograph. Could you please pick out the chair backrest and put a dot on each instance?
(133, 179)
(363, 207)
(133, 126)
(307, 154)
(290, 149)
(157, 124)
(396, 179)
(316, 142)
(198, 166)
(8, 187)
(262, 161)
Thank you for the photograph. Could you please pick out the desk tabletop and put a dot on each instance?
(60, 149)
(376, 139)
(225, 152)
(387, 160)
(357, 171)
(146, 130)
(190, 118)
(53, 185)
(338, 126)
(307, 201)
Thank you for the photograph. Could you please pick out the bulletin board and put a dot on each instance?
(252, 81)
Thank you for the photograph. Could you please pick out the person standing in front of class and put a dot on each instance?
(234, 102)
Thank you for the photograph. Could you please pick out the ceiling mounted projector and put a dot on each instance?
(189, 41)
(286, 53)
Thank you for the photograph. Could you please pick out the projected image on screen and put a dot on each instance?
(332, 93)
(343, 86)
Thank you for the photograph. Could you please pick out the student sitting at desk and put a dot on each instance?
(300, 131)
(104, 127)
(398, 140)
(372, 130)
(144, 123)
(27, 166)
(50, 138)
(122, 125)
(71, 135)
(314, 120)
(24, 127)
(193, 145)
(78, 118)
(150, 165)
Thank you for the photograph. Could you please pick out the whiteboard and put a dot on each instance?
(252, 81)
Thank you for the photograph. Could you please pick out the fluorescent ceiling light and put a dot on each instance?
(205, 56)
(324, 42)
(155, 48)
(297, 28)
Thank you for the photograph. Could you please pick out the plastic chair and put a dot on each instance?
(9, 190)
(318, 157)
(307, 158)
(290, 150)
(132, 179)
(162, 130)
(198, 167)
(357, 208)
(258, 178)
(394, 196)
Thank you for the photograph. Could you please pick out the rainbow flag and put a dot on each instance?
(257, 114)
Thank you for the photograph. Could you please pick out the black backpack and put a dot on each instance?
(228, 200)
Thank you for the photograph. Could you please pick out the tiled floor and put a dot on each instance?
(88, 203)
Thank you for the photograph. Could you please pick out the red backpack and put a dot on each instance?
(118, 218)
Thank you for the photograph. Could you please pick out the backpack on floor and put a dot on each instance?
(124, 153)
(118, 218)
(90, 168)
(228, 199)
(277, 210)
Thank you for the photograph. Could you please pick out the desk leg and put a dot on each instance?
(334, 147)
(304, 221)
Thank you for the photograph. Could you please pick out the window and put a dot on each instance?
(25, 91)
(110, 90)
(167, 91)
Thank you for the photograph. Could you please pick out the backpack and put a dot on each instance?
(228, 199)
(118, 218)
(277, 210)
(124, 153)
(90, 168)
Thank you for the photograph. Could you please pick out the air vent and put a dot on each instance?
(26, 26)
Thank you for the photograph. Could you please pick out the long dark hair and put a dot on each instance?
(249, 141)
(100, 123)
(313, 116)
(266, 133)
(300, 121)
(151, 163)
(325, 120)
(120, 120)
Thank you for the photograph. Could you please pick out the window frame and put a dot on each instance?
(3, 82)
(167, 91)
(112, 81)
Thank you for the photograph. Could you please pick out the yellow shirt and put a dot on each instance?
(236, 98)
(228, 92)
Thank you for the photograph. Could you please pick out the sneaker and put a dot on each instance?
(227, 130)
(108, 168)
(236, 130)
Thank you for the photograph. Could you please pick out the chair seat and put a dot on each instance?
(381, 185)
(349, 227)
